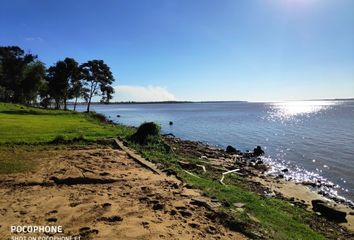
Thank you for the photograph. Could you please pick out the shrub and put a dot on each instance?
(146, 132)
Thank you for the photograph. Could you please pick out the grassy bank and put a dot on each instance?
(20, 124)
(26, 132)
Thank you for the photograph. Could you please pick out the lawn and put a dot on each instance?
(20, 124)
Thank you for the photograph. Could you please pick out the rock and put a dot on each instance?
(230, 149)
(285, 170)
(118, 115)
(258, 151)
(328, 211)
(259, 162)
(280, 176)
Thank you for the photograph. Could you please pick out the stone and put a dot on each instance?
(258, 151)
(230, 149)
(328, 211)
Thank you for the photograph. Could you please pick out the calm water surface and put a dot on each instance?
(314, 139)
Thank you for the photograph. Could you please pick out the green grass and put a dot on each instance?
(276, 218)
(27, 125)
(20, 124)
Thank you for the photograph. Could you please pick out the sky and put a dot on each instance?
(199, 50)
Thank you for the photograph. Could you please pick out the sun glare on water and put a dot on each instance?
(288, 110)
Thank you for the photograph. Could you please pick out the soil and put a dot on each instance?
(102, 193)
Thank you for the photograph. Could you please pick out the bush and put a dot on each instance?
(145, 133)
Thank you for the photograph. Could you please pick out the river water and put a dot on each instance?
(313, 139)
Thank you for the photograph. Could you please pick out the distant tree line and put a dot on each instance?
(25, 79)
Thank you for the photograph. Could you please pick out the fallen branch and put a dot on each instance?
(223, 175)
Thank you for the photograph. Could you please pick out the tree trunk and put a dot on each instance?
(92, 90)
(65, 105)
(75, 104)
(88, 105)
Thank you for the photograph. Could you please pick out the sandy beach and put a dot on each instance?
(101, 193)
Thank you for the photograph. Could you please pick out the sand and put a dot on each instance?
(101, 193)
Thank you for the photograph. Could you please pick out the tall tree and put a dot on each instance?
(77, 91)
(98, 78)
(33, 79)
(14, 64)
(60, 78)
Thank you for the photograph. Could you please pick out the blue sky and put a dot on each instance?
(255, 50)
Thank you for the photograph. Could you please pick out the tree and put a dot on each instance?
(34, 79)
(77, 91)
(60, 78)
(14, 80)
(98, 78)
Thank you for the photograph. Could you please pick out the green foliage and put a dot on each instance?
(61, 78)
(20, 75)
(147, 132)
(24, 79)
(98, 79)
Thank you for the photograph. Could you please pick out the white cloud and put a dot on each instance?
(142, 94)
(39, 39)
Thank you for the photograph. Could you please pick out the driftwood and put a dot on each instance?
(223, 175)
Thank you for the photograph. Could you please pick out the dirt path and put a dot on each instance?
(100, 193)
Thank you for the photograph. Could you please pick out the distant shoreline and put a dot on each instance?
(231, 101)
